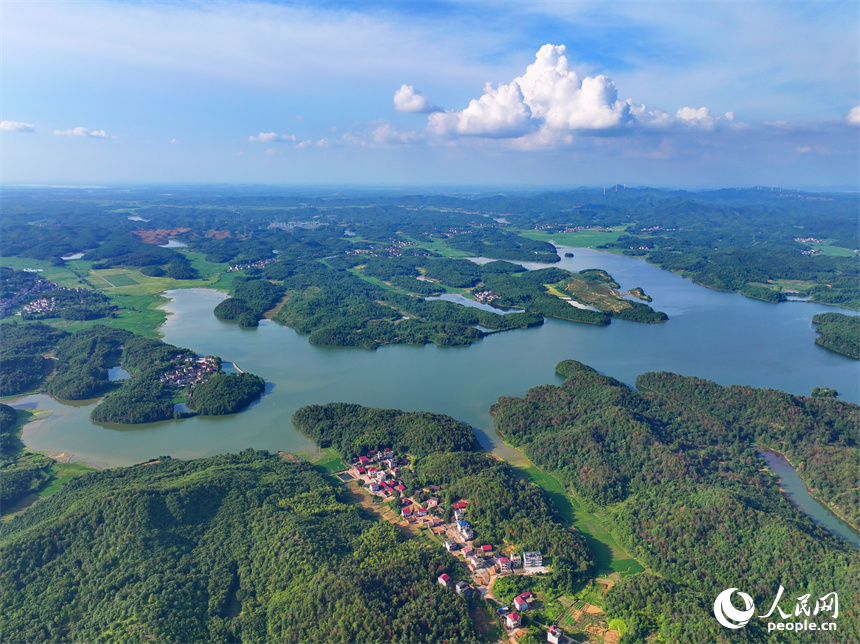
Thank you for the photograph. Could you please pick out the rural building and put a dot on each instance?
(444, 580)
(504, 565)
(451, 545)
(516, 561)
(463, 588)
(458, 515)
(521, 603)
(555, 635)
(512, 620)
(533, 559)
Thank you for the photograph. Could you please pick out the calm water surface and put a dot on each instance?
(723, 337)
(795, 489)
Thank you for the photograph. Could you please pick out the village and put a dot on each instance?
(378, 473)
(192, 371)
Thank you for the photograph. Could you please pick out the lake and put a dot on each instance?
(723, 337)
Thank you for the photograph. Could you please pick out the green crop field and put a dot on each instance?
(582, 239)
(120, 279)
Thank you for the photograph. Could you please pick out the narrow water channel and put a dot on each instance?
(795, 489)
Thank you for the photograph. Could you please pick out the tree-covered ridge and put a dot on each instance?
(249, 299)
(506, 511)
(676, 471)
(342, 302)
(83, 360)
(124, 249)
(231, 548)
(821, 437)
(22, 347)
(354, 430)
(21, 473)
(336, 307)
(225, 393)
(839, 333)
(500, 244)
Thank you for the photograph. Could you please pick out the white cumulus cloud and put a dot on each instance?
(550, 103)
(556, 95)
(853, 116)
(698, 118)
(500, 112)
(82, 131)
(549, 96)
(16, 126)
(271, 137)
(409, 99)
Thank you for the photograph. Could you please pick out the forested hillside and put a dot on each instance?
(675, 468)
(354, 430)
(231, 548)
(839, 333)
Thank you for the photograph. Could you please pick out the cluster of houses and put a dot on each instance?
(40, 307)
(258, 264)
(49, 304)
(191, 372)
(485, 296)
(379, 470)
(24, 292)
(512, 619)
(394, 250)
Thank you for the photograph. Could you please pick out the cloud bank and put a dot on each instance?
(853, 116)
(549, 103)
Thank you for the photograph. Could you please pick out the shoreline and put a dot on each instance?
(815, 498)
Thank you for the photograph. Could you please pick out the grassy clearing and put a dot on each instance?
(60, 275)
(120, 279)
(608, 555)
(138, 313)
(326, 461)
(582, 239)
(140, 284)
(438, 246)
(62, 473)
(204, 267)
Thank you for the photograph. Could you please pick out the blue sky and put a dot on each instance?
(677, 94)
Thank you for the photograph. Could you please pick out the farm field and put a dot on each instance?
(582, 239)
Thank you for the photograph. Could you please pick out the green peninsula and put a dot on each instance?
(674, 470)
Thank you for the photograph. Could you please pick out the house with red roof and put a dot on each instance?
(444, 579)
(520, 603)
(486, 548)
(513, 620)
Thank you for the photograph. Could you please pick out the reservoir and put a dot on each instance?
(723, 337)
